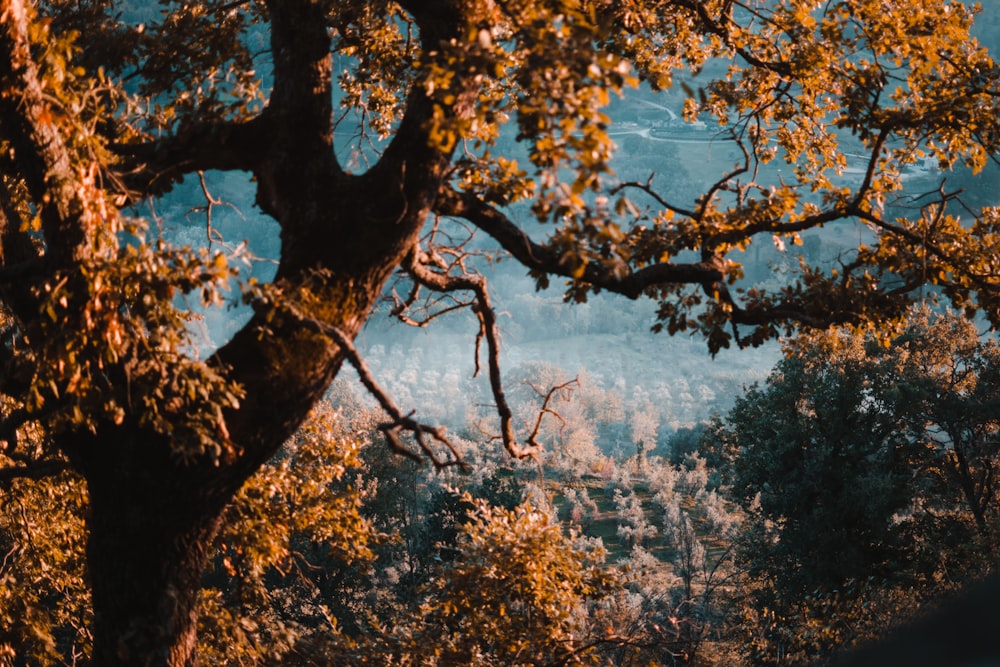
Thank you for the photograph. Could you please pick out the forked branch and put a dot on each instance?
(546, 410)
(418, 265)
(423, 434)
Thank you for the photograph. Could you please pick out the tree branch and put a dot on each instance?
(542, 258)
(721, 29)
(152, 168)
(546, 410)
(417, 266)
(29, 124)
(400, 422)
(647, 187)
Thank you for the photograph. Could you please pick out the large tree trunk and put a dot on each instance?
(150, 539)
(154, 517)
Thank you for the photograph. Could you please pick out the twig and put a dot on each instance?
(210, 203)
(533, 438)
(422, 433)
(417, 266)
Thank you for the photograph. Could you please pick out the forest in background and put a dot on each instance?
(832, 502)
(769, 506)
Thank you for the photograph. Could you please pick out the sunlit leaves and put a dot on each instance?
(378, 46)
(298, 494)
(515, 595)
(306, 501)
(804, 84)
(116, 315)
(44, 600)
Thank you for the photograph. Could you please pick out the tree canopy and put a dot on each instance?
(866, 474)
(462, 116)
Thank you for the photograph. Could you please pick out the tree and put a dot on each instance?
(516, 594)
(292, 527)
(828, 464)
(48, 618)
(104, 106)
(866, 472)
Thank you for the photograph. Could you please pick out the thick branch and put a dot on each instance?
(420, 159)
(151, 168)
(29, 124)
(400, 421)
(541, 258)
(302, 101)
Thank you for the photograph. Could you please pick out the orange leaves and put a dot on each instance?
(518, 588)
(114, 316)
(498, 180)
(304, 494)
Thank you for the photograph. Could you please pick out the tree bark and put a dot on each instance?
(150, 532)
(154, 519)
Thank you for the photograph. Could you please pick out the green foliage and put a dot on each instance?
(849, 464)
(826, 461)
(773, 630)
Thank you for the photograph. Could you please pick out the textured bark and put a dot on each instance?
(153, 518)
(151, 529)
(42, 155)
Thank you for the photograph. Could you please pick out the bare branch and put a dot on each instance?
(546, 410)
(210, 203)
(417, 264)
(431, 309)
(647, 187)
(422, 433)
